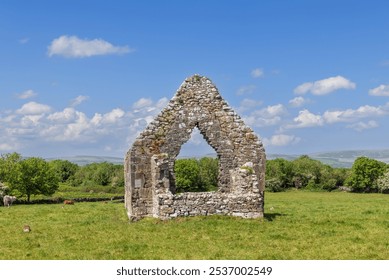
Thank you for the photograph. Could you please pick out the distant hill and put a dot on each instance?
(84, 160)
(340, 158)
(335, 159)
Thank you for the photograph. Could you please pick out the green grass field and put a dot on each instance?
(298, 225)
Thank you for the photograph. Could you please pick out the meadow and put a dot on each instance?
(297, 225)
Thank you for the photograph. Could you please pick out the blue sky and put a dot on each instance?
(85, 77)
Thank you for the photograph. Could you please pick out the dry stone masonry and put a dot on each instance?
(149, 165)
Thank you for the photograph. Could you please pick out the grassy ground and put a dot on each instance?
(298, 225)
(69, 192)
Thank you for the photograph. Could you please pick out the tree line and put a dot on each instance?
(33, 176)
(366, 175)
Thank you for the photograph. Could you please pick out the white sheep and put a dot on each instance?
(8, 200)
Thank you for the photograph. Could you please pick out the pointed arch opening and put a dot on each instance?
(196, 168)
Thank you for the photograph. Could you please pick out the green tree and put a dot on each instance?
(103, 173)
(33, 176)
(279, 174)
(194, 175)
(117, 179)
(303, 172)
(64, 169)
(187, 173)
(383, 183)
(8, 163)
(365, 173)
(209, 170)
(307, 172)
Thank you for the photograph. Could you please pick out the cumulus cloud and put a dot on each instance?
(36, 124)
(148, 106)
(110, 117)
(381, 90)
(351, 115)
(161, 103)
(246, 89)
(78, 100)
(33, 108)
(72, 46)
(268, 116)
(27, 94)
(325, 86)
(74, 130)
(257, 73)
(65, 116)
(143, 102)
(306, 119)
(360, 126)
(281, 140)
(297, 101)
(31, 120)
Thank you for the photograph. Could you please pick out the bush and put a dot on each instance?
(383, 183)
(365, 173)
(273, 185)
(194, 175)
(104, 174)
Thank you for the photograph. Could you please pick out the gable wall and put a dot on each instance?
(197, 103)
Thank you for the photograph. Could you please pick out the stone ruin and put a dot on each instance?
(150, 189)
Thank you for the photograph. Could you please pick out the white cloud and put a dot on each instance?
(161, 103)
(325, 86)
(351, 115)
(269, 116)
(78, 100)
(250, 103)
(31, 120)
(35, 125)
(27, 94)
(247, 104)
(143, 102)
(382, 90)
(72, 46)
(297, 101)
(257, 73)
(272, 111)
(33, 108)
(66, 116)
(113, 116)
(74, 131)
(281, 140)
(360, 126)
(246, 90)
(303, 88)
(306, 119)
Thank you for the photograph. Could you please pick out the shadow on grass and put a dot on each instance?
(272, 216)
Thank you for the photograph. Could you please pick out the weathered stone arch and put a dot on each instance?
(149, 164)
